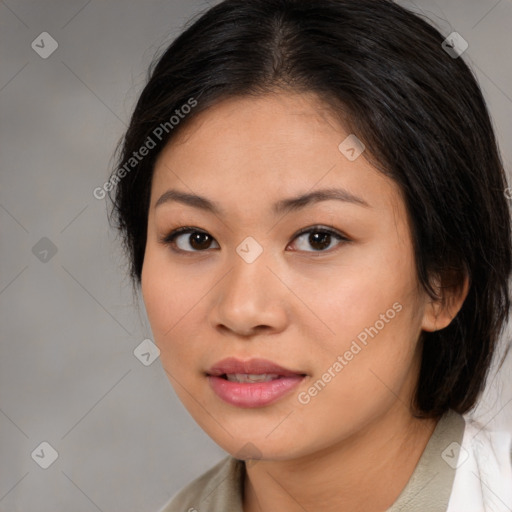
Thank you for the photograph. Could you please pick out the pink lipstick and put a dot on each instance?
(252, 383)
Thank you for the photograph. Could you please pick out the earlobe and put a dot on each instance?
(439, 313)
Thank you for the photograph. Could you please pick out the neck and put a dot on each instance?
(365, 472)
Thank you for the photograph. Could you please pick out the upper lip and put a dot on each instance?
(232, 365)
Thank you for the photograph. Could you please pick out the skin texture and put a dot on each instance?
(355, 444)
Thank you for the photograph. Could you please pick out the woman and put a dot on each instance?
(313, 204)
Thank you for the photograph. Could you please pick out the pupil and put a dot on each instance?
(200, 239)
(321, 239)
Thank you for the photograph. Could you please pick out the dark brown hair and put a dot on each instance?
(419, 112)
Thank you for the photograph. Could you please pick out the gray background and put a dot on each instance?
(69, 323)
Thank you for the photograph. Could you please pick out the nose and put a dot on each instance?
(250, 299)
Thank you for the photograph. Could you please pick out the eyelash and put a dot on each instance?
(170, 238)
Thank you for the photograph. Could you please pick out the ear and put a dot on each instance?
(439, 313)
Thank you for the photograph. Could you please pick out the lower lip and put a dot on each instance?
(258, 394)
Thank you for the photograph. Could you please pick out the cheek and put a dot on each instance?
(354, 296)
(373, 313)
(362, 369)
(170, 298)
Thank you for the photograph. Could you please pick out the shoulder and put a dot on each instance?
(218, 489)
(483, 478)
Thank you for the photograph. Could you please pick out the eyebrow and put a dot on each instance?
(281, 206)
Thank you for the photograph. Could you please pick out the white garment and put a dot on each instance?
(483, 478)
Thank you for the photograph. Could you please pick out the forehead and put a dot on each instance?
(251, 151)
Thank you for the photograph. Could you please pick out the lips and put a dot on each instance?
(232, 366)
(252, 383)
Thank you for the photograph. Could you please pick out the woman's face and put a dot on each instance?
(340, 313)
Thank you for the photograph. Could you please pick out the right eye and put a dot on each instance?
(192, 237)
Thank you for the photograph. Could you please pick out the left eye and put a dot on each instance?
(318, 238)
